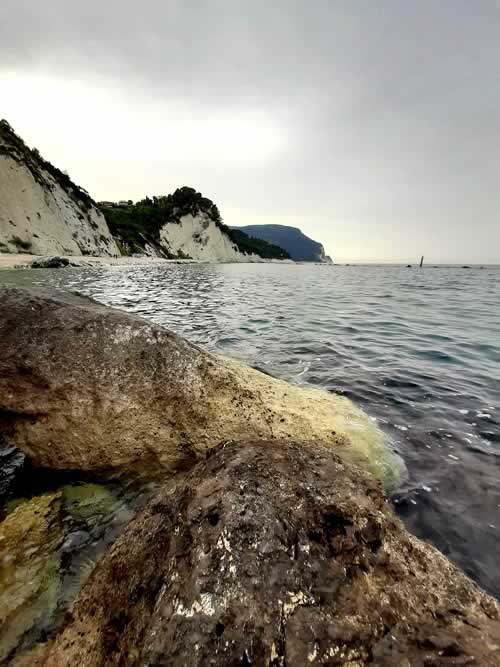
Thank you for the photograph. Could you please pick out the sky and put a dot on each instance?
(374, 126)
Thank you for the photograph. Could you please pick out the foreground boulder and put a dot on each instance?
(83, 386)
(270, 554)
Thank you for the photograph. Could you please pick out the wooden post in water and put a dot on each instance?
(421, 261)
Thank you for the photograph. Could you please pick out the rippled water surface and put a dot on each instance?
(418, 349)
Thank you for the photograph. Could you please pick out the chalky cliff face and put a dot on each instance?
(199, 237)
(41, 211)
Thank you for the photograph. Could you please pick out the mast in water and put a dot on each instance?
(421, 261)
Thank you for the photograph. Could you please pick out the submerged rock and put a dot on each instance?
(273, 554)
(29, 562)
(92, 503)
(83, 386)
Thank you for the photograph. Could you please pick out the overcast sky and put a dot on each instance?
(373, 125)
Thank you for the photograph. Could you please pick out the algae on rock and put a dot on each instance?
(29, 568)
(86, 502)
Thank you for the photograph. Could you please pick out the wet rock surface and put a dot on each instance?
(273, 554)
(86, 387)
(49, 544)
(29, 564)
(12, 462)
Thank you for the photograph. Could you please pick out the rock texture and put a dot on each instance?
(198, 237)
(270, 554)
(83, 386)
(42, 212)
(11, 466)
(29, 563)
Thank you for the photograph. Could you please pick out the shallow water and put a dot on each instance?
(418, 349)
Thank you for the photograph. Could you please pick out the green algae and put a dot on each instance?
(30, 537)
(39, 578)
(94, 502)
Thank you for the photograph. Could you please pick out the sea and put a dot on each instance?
(417, 348)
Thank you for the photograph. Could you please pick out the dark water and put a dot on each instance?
(419, 350)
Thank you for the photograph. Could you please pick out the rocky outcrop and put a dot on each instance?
(84, 386)
(42, 212)
(300, 247)
(183, 224)
(273, 554)
(198, 237)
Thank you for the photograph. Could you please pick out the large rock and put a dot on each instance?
(270, 554)
(83, 386)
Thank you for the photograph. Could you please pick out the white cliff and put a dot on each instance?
(200, 238)
(41, 211)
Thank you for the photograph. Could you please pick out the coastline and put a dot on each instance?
(15, 261)
(23, 261)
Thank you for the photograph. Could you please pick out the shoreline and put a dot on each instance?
(20, 261)
(23, 261)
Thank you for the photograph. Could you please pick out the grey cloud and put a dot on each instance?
(394, 105)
